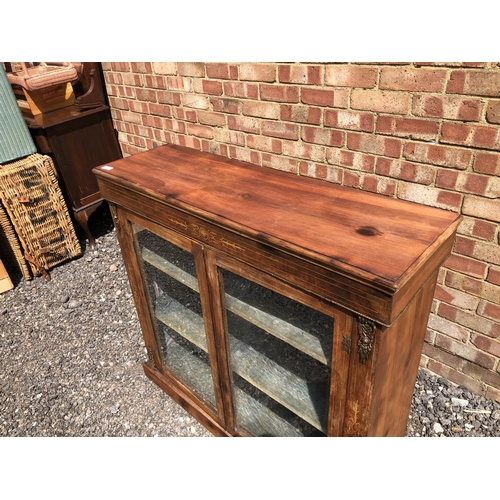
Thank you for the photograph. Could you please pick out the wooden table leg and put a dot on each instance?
(82, 217)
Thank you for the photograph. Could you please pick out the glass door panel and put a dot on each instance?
(170, 274)
(280, 357)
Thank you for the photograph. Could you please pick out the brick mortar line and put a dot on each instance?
(467, 343)
(483, 100)
(301, 125)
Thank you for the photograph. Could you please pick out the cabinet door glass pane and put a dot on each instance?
(170, 274)
(280, 354)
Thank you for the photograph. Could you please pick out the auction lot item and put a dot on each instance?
(273, 304)
(31, 197)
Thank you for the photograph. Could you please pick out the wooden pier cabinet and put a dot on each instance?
(273, 304)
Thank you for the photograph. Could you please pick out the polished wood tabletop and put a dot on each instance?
(359, 233)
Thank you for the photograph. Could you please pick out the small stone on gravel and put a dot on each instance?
(437, 428)
(459, 402)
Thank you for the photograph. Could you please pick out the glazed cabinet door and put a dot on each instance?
(168, 279)
(172, 286)
(281, 349)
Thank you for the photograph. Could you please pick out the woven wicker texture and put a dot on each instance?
(10, 246)
(33, 200)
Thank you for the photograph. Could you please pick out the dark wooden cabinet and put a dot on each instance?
(273, 304)
(77, 140)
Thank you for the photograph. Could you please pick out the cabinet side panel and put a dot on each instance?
(79, 145)
(398, 360)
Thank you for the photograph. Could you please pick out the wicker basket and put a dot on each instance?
(30, 193)
(9, 244)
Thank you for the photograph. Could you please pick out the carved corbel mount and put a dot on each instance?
(346, 344)
(366, 333)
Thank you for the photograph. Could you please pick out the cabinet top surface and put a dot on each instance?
(364, 235)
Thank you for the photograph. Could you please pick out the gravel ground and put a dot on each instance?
(71, 353)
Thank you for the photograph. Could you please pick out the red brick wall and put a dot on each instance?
(423, 132)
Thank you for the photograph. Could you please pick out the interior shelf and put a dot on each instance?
(283, 386)
(281, 329)
(254, 417)
(193, 370)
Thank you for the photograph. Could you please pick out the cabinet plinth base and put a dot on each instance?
(198, 412)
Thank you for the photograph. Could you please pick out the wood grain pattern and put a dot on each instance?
(360, 387)
(124, 233)
(357, 232)
(342, 348)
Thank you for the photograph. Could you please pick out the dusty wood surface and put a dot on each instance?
(370, 298)
(363, 234)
